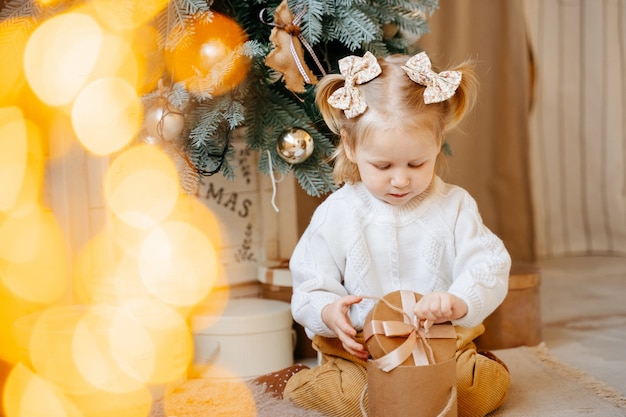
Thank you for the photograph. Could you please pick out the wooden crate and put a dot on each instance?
(251, 230)
(235, 205)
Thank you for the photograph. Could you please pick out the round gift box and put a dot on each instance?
(425, 383)
(441, 338)
(251, 337)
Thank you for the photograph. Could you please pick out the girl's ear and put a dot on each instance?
(348, 149)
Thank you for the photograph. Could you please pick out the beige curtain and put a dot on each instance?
(578, 128)
(491, 151)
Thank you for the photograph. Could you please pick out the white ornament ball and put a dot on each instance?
(163, 121)
(151, 140)
(295, 145)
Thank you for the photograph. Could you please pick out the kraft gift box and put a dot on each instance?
(411, 368)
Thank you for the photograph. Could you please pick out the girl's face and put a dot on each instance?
(396, 164)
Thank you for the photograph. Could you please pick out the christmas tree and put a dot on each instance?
(218, 66)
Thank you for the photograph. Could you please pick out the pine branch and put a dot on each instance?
(207, 116)
(262, 103)
(235, 114)
(179, 96)
(312, 21)
(15, 10)
(352, 28)
(16, 26)
(175, 23)
(314, 178)
(213, 155)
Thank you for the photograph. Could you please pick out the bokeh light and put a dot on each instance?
(114, 404)
(92, 352)
(12, 77)
(32, 255)
(127, 15)
(178, 264)
(13, 155)
(48, 2)
(14, 339)
(50, 347)
(116, 59)
(127, 282)
(21, 161)
(106, 115)
(32, 183)
(27, 394)
(150, 341)
(191, 210)
(60, 56)
(142, 186)
(94, 268)
(175, 263)
(109, 342)
(150, 63)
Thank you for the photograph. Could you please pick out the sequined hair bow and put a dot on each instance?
(439, 87)
(356, 70)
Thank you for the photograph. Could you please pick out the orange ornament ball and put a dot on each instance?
(209, 51)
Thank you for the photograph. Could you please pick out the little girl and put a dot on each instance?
(394, 224)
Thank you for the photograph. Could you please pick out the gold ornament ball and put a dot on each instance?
(208, 45)
(163, 122)
(295, 145)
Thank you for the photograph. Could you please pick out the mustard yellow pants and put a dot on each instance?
(334, 388)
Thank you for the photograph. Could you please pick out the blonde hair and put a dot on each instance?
(392, 99)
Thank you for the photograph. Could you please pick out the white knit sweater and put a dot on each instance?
(357, 244)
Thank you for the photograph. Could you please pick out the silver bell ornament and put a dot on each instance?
(295, 145)
(163, 122)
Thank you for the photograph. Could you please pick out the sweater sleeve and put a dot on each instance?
(481, 267)
(317, 266)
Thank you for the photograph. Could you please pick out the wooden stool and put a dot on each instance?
(517, 321)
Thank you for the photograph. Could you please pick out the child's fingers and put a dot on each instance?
(348, 329)
(356, 349)
(351, 299)
(425, 311)
(352, 346)
(427, 324)
(445, 306)
(434, 307)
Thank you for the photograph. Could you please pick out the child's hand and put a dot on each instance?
(336, 317)
(439, 307)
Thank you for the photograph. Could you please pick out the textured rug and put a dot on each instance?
(541, 386)
(596, 345)
(584, 315)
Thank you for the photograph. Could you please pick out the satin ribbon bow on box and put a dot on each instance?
(416, 341)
